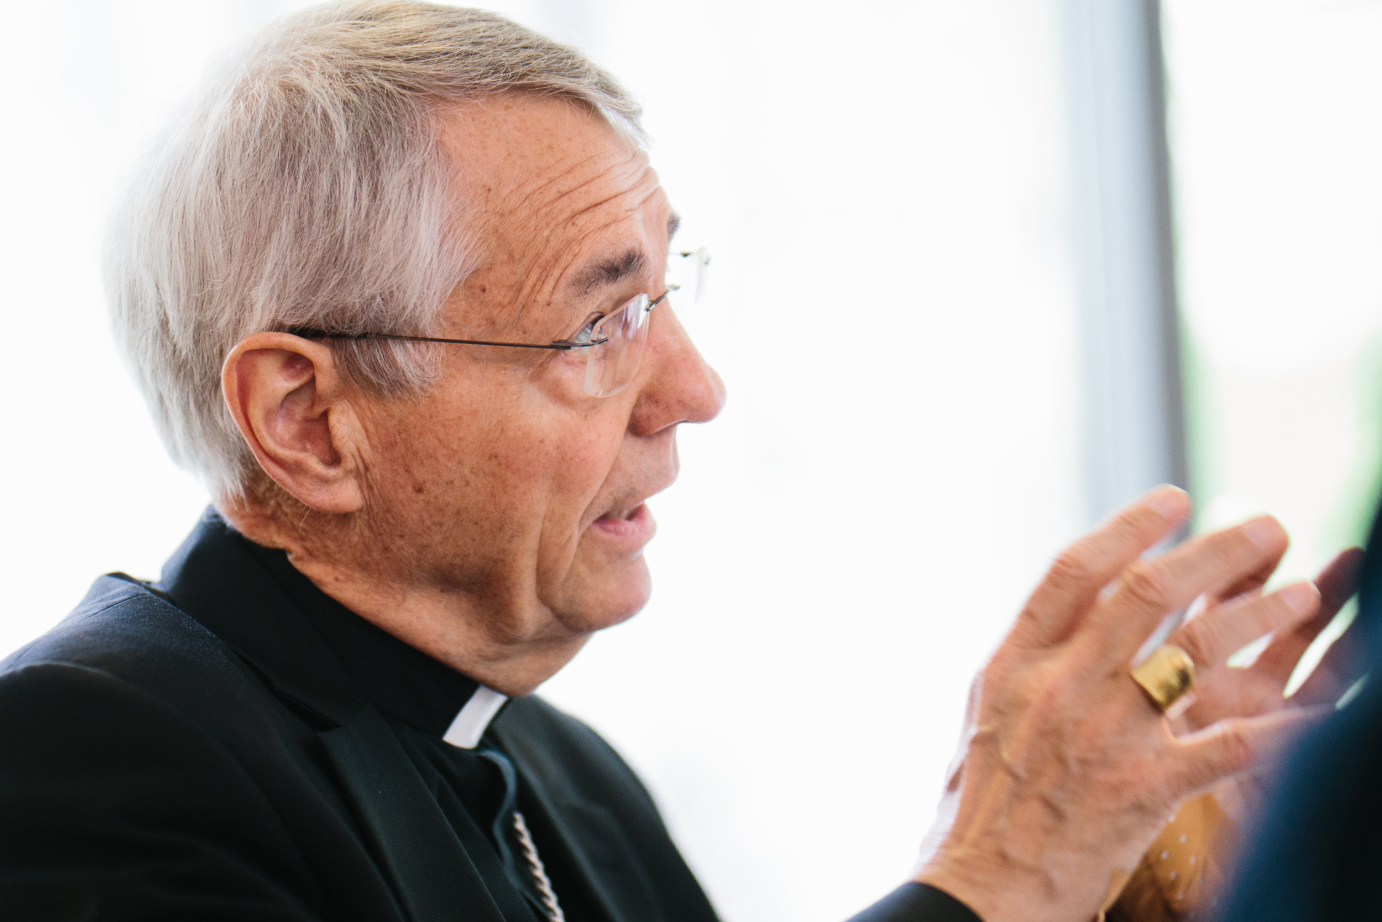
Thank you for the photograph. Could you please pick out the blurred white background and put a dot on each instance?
(883, 186)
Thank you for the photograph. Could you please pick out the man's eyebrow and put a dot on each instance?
(610, 271)
(673, 225)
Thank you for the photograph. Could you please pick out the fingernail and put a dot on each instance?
(1168, 500)
(1300, 597)
(1264, 531)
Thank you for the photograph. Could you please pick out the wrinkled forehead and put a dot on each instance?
(546, 182)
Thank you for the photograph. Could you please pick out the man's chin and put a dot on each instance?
(601, 600)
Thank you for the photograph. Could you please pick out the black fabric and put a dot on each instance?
(420, 851)
(1317, 851)
(917, 901)
(418, 696)
(232, 744)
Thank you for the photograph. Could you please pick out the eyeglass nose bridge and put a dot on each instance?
(687, 271)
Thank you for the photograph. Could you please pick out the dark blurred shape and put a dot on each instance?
(1318, 846)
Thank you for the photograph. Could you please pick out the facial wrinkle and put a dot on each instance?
(540, 279)
(545, 277)
(640, 196)
(522, 195)
(547, 215)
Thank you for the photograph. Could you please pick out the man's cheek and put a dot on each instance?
(590, 466)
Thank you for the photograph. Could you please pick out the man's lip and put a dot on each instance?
(634, 502)
(638, 529)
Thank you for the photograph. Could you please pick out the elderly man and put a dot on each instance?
(395, 288)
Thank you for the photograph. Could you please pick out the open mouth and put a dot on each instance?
(634, 526)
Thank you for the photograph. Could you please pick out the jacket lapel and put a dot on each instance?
(436, 879)
(215, 579)
(584, 837)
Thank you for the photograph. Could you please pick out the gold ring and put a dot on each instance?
(1165, 675)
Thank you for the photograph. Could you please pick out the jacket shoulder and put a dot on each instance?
(146, 772)
(126, 637)
(115, 805)
(128, 631)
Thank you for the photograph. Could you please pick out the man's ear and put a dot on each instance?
(294, 410)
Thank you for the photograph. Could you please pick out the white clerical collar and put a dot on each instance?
(472, 721)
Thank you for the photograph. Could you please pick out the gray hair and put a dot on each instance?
(306, 187)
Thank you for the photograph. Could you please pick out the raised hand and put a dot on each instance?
(1069, 770)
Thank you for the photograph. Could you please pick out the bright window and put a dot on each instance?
(1276, 140)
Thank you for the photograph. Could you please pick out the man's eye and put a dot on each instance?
(587, 330)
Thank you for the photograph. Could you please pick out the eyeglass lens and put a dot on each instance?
(612, 364)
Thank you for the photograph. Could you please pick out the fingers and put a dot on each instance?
(1283, 653)
(1216, 635)
(1149, 589)
(1233, 746)
(1252, 583)
(1337, 582)
(1223, 693)
(1342, 665)
(1078, 575)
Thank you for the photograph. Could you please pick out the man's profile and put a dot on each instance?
(396, 288)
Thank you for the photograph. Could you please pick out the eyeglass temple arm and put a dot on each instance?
(559, 344)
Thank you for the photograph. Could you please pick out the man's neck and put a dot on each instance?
(448, 625)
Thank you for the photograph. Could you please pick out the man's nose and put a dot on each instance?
(681, 387)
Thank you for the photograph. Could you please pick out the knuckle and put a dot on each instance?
(1200, 642)
(1145, 583)
(1071, 569)
(1236, 749)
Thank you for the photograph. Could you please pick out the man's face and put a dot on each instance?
(506, 484)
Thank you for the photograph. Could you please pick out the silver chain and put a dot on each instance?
(544, 886)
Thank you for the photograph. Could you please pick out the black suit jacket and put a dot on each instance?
(213, 760)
